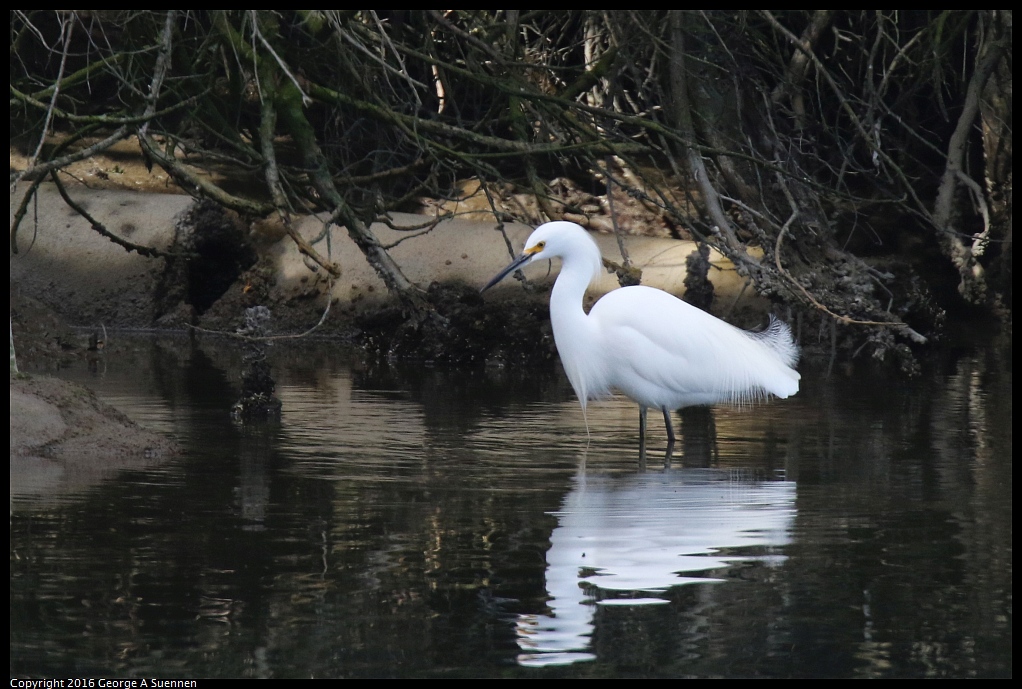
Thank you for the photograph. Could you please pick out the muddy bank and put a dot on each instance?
(64, 440)
(232, 265)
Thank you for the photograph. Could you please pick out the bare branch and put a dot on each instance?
(99, 227)
(68, 30)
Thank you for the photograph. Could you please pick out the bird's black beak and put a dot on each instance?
(515, 265)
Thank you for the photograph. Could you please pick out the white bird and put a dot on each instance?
(656, 349)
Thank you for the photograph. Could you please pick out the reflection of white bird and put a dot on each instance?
(650, 345)
(627, 540)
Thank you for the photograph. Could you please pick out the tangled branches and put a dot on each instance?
(804, 134)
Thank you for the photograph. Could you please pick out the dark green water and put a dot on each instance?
(411, 522)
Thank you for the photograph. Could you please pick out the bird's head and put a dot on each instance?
(559, 239)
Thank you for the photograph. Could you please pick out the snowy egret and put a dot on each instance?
(656, 349)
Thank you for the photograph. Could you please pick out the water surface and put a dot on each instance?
(414, 521)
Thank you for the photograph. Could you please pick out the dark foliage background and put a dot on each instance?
(856, 165)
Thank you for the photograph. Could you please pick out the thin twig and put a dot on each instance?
(69, 30)
(306, 100)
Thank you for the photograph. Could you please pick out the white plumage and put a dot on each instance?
(652, 346)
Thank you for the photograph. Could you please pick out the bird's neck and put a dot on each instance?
(576, 336)
(569, 292)
(571, 325)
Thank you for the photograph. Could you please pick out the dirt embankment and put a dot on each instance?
(63, 439)
(217, 265)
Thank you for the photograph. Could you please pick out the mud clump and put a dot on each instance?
(257, 400)
(217, 251)
(462, 329)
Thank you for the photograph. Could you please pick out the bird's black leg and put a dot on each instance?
(670, 427)
(642, 431)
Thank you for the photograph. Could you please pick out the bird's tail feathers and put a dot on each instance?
(777, 337)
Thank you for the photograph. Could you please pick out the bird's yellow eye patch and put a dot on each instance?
(536, 249)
